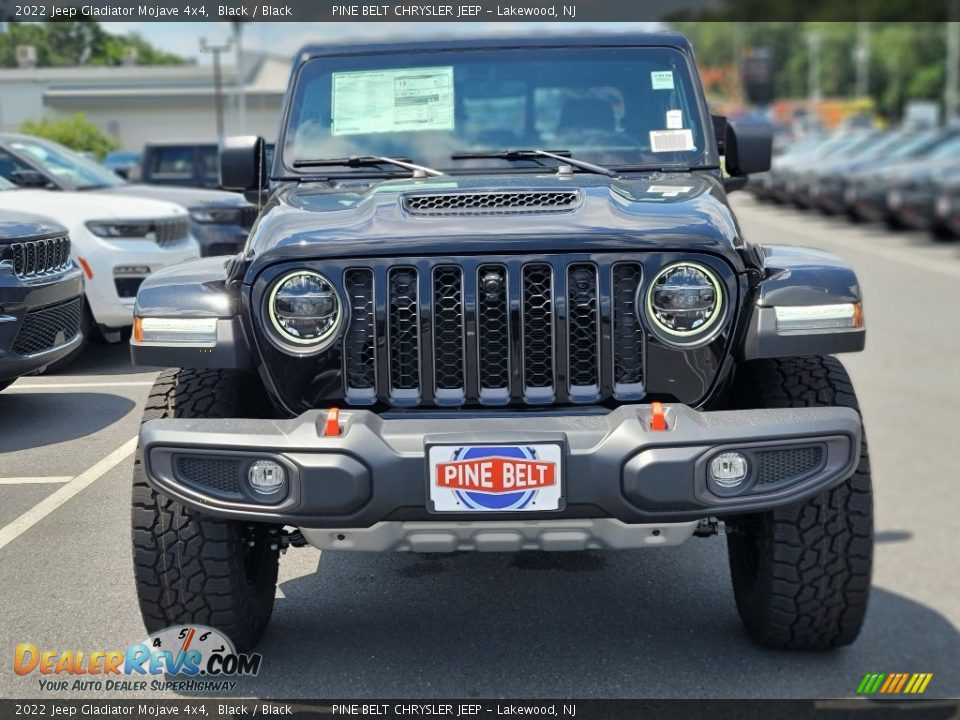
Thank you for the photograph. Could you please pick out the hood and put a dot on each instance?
(75, 208)
(369, 218)
(189, 198)
(16, 226)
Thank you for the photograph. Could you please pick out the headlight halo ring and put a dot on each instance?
(291, 343)
(684, 338)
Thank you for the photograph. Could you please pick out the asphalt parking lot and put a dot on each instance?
(655, 623)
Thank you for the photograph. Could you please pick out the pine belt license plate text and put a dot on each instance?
(494, 478)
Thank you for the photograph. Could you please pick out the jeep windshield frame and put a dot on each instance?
(603, 102)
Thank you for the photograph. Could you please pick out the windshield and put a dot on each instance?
(66, 166)
(617, 107)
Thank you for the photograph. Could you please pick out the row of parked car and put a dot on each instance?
(76, 242)
(903, 177)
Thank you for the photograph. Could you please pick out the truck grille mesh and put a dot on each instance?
(40, 257)
(47, 327)
(776, 466)
(456, 331)
(491, 203)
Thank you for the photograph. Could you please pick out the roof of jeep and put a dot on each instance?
(657, 39)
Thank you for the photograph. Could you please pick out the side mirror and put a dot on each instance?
(243, 163)
(748, 148)
(720, 132)
(29, 178)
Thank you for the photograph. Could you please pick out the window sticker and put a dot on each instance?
(662, 79)
(385, 101)
(671, 140)
(674, 119)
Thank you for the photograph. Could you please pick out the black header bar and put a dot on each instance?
(473, 10)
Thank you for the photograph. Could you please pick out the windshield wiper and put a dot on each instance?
(366, 161)
(563, 155)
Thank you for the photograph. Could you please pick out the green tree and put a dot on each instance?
(76, 132)
(62, 44)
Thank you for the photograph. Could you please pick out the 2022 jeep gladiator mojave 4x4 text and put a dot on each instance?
(497, 300)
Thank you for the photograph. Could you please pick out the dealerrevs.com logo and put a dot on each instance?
(181, 658)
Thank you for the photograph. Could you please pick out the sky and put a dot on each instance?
(183, 38)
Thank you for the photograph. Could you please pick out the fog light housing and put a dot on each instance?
(267, 477)
(728, 470)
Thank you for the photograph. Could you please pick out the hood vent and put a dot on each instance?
(492, 203)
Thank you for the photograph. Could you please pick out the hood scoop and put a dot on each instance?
(492, 203)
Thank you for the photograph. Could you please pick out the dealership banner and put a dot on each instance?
(467, 10)
(471, 709)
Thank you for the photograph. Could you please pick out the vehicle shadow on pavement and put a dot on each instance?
(102, 359)
(659, 623)
(37, 419)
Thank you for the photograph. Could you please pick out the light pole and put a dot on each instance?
(217, 79)
(241, 79)
(861, 56)
(951, 92)
(813, 68)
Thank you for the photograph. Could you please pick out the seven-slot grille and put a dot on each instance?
(172, 231)
(471, 331)
(40, 257)
(47, 327)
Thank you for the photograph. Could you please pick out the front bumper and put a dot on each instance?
(613, 464)
(20, 297)
(218, 239)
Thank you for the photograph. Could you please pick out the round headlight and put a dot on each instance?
(305, 309)
(684, 300)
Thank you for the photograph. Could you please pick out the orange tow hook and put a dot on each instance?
(658, 421)
(331, 428)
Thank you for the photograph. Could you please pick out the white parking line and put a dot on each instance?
(35, 480)
(64, 386)
(46, 506)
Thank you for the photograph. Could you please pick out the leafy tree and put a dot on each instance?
(62, 44)
(76, 132)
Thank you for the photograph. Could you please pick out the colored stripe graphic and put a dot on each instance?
(894, 683)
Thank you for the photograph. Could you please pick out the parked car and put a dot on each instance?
(867, 188)
(124, 163)
(116, 244)
(532, 350)
(41, 295)
(220, 221)
(181, 163)
(911, 192)
(947, 209)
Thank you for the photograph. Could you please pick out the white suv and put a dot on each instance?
(117, 241)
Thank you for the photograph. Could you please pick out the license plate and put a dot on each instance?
(494, 478)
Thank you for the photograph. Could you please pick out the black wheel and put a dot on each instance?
(193, 568)
(88, 329)
(801, 574)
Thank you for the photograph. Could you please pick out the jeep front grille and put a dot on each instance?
(170, 232)
(36, 258)
(491, 203)
(467, 331)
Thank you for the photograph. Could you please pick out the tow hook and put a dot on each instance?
(711, 526)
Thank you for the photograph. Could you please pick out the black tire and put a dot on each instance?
(189, 567)
(801, 574)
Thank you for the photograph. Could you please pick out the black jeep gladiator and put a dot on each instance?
(41, 296)
(497, 300)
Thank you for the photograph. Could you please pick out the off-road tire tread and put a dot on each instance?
(813, 582)
(186, 565)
